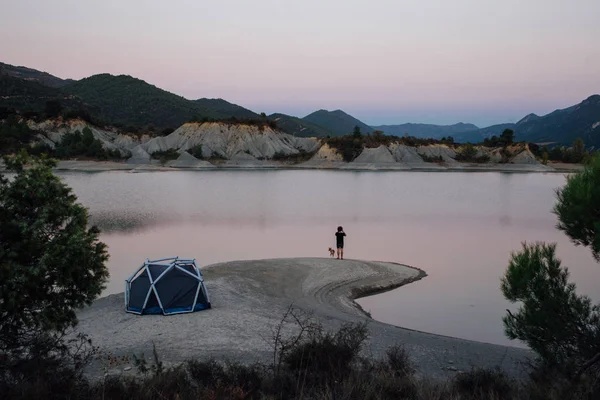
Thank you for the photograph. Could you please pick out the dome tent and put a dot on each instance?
(166, 286)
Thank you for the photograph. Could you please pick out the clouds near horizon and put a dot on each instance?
(438, 61)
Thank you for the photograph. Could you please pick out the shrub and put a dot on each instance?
(484, 383)
(165, 155)
(431, 159)
(196, 151)
(399, 362)
(300, 156)
(326, 353)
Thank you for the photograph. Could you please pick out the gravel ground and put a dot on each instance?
(249, 299)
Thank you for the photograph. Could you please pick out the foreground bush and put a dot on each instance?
(314, 364)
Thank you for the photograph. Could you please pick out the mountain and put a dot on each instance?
(426, 130)
(33, 75)
(564, 126)
(337, 122)
(119, 100)
(224, 108)
(478, 135)
(299, 127)
(31, 95)
(126, 100)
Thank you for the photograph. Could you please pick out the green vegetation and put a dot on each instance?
(51, 264)
(14, 135)
(261, 123)
(196, 151)
(126, 100)
(562, 327)
(431, 159)
(337, 122)
(80, 144)
(576, 154)
(165, 155)
(578, 207)
(506, 138)
(299, 127)
(348, 146)
(468, 153)
(310, 363)
(301, 156)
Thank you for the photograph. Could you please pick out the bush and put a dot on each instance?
(300, 156)
(399, 362)
(83, 144)
(348, 146)
(468, 153)
(431, 159)
(326, 353)
(166, 155)
(52, 265)
(14, 135)
(196, 151)
(485, 383)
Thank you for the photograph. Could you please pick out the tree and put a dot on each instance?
(507, 137)
(562, 327)
(578, 207)
(356, 132)
(51, 263)
(578, 150)
(545, 157)
(53, 108)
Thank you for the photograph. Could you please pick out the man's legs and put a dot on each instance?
(342, 251)
(339, 249)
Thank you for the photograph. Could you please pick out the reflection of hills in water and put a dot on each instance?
(137, 222)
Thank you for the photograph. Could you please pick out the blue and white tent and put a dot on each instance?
(166, 286)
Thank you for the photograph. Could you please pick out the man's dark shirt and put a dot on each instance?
(339, 236)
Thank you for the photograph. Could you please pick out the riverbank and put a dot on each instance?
(249, 299)
(101, 166)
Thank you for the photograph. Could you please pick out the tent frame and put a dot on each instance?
(171, 263)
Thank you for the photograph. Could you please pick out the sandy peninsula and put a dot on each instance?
(250, 297)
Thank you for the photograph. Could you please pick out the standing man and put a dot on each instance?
(339, 238)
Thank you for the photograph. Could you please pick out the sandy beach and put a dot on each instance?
(249, 299)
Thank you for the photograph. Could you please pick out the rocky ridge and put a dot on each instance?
(246, 145)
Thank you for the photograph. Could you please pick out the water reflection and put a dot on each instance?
(459, 227)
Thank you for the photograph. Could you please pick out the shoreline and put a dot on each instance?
(250, 297)
(111, 166)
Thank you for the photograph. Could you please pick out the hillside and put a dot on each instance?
(33, 75)
(120, 100)
(130, 101)
(224, 109)
(426, 130)
(560, 127)
(30, 95)
(564, 126)
(337, 122)
(478, 135)
(299, 127)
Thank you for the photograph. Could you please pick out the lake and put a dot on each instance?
(458, 227)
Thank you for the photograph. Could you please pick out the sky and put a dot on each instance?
(384, 62)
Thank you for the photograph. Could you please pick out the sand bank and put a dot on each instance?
(250, 297)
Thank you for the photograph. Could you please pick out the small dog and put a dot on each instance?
(331, 252)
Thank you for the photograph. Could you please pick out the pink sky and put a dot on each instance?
(436, 61)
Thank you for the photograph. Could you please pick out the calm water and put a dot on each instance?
(459, 227)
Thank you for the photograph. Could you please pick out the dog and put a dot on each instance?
(331, 252)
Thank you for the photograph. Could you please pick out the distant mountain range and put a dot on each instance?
(33, 75)
(426, 130)
(299, 127)
(126, 101)
(337, 122)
